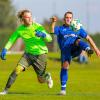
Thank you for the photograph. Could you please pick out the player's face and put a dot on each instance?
(27, 18)
(68, 18)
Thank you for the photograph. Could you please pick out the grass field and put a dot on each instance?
(83, 83)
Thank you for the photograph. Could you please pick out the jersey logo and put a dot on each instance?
(64, 30)
(70, 35)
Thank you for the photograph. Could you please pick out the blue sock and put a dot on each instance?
(63, 78)
(83, 45)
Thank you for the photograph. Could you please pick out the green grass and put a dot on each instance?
(83, 82)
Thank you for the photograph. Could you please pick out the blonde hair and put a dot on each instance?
(21, 13)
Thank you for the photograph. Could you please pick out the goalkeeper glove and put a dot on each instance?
(3, 54)
(40, 34)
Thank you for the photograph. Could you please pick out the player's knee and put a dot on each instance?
(19, 69)
(77, 42)
(65, 65)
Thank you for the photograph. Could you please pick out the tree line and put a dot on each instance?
(8, 24)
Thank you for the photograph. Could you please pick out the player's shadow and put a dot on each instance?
(27, 93)
(20, 93)
(54, 94)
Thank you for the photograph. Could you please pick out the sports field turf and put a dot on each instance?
(83, 82)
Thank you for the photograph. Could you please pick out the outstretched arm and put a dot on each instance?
(11, 41)
(93, 45)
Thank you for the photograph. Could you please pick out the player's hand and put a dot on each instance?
(53, 19)
(40, 34)
(3, 54)
(97, 52)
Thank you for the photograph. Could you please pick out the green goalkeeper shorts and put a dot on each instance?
(37, 61)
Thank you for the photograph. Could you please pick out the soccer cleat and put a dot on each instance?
(50, 81)
(62, 92)
(3, 93)
(89, 52)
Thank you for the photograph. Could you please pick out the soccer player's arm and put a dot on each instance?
(84, 34)
(93, 45)
(48, 37)
(53, 24)
(11, 40)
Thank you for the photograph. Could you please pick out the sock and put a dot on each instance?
(11, 80)
(83, 45)
(63, 78)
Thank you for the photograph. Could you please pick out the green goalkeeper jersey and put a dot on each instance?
(33, 44)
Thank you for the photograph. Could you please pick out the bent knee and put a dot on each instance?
(19, 69)
(77, 42)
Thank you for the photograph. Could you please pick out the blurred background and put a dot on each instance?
(88, 11)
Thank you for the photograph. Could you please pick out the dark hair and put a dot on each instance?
(68, 12)
(21, 13)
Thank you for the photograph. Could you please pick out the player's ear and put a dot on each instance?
(21, 20)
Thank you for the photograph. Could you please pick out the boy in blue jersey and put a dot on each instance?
(71, 45)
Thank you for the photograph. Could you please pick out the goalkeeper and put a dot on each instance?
(34, 37)
(70, 44)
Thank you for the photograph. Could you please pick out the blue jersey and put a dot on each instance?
(66, 36)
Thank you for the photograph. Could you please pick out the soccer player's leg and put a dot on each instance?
(12, 78)
(46, 77)
(66, 58)
(76, 51)
(22, 64)
(85, 46)
(39, 66)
